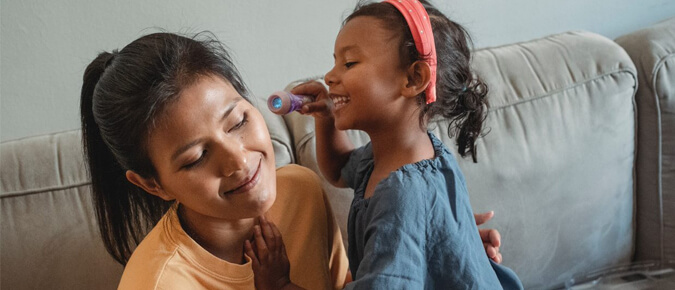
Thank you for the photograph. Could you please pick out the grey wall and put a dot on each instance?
(45, 45)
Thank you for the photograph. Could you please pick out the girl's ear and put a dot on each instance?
(419, 76)
(150, 185)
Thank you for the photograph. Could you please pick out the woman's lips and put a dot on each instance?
(249, 184)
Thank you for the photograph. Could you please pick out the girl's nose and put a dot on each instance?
(330, 78)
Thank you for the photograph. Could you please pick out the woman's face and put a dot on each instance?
(213, 153)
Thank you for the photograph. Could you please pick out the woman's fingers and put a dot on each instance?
(491, 236)
(482, 218)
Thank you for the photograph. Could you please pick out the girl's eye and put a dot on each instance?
(196, 162)
(243, 122)
(350, 64)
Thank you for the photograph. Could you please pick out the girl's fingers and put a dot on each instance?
(312, 88)
(260, 244)
(268, 234)
(249, 251)
(278, 241)
(283, 251)
(318, 106)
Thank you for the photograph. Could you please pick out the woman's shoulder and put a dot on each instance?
(298, 175)
(147, 263)
(296, 183)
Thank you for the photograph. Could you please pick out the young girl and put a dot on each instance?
(410, 223)
(172, 142)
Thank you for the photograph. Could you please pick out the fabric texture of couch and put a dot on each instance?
(653, 52)
(575, 187)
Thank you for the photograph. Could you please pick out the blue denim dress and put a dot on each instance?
(417, 231)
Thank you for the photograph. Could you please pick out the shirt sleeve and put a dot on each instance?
(394, 252)
(355, 158)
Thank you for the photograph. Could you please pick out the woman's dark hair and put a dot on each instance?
(460, 94)
(123, 94)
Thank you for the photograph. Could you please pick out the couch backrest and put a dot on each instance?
(49, 232)
(49, 235)
(653, 52)
(557, 164)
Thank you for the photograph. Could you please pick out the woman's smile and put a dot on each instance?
(248, 183)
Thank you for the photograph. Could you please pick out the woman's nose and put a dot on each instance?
(234, 159)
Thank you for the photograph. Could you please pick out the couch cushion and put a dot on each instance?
(557, 165)
(653, 52)
(49, 233)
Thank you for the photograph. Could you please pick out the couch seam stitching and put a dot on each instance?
(576, 84)
(43, 189)
(655, 72)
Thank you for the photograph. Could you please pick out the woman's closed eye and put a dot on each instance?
(350, 64)
(194, 164)
(241, 123)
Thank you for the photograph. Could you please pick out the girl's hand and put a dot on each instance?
(268, 255)
(491, 238)
(322, 107)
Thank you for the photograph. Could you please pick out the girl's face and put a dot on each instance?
(367, 77)
(213, 153)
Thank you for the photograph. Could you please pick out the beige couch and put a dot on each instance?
(574, 187)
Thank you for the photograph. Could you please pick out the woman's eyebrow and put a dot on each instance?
(228, 110)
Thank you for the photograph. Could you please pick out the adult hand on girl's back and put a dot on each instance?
(269, 260)
(322, 105)
(491, 238)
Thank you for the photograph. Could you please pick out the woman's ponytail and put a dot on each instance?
(121, 224)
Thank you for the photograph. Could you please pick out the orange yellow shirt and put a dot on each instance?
(168, 258)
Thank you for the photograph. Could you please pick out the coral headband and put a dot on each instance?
(420, 27)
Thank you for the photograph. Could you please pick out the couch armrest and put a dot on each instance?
(653, 52)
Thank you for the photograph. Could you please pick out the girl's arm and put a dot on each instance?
(333, 145)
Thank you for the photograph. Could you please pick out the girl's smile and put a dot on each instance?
(339, 101)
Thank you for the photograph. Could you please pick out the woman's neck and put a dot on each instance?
(223, 239)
